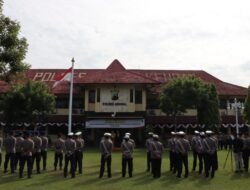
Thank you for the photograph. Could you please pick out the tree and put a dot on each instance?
(190, 92)
(27, 103)
(12, 48)
(247, 107)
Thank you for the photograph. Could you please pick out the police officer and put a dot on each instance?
(10, 148)
(246, 151)
(70, 148)
(182, 148)
(19, 140)
(106, 146)
(237, 149)
(148, 147)
(44, 149)
(194, 146)
(1, 145)
(37, 152)
(210, 156)
(27, 148)
(79, 151)
(172, 152)
(59, 148)
(200, 151)
(156, 156)
(127, 148)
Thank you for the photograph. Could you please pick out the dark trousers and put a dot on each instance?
(22, 164)
(245, 157)
(108, 160)
(182, 159)
(210, 164)
(171, 160)
(17, 159)
(148, 161)
(44, 158)
(36, 157)
(127, 162)
(58, 157)
(71, 159)
(0, 159)
(9, 157)
(156, 167)
(195, 155)
(79, 157)
(201, 160)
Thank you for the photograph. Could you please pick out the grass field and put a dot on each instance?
(141, 180)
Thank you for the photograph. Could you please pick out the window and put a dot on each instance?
(131, 95)
(62, 102)
(138, 96)
(78, 103)
(92, 96)
(98, 95)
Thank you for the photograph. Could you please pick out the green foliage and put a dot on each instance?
(190, 92)
(12, 48)
(247, 107)
(30, 102)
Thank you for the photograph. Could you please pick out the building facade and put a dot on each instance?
(119, 100)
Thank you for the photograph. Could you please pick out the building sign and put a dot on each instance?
(115, 123)
(50, 76)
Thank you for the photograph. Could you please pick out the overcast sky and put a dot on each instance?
(212, 35)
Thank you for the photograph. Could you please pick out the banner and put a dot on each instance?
(115, 123)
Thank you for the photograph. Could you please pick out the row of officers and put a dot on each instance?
(23, 148)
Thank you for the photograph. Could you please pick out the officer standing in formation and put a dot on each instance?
(148, 147)
(156, 156)
(182, 148)
(27, 147)
(79, 151)
(19, 140)
(210, 154)
(37, 152)
(70, 148)
(1, 145)
(246, 152)
(194, 146)
(106, 146)
(59, 148)
(10, 148)
(172, 152)
(127, 148)
(44, 149)
(201, 151)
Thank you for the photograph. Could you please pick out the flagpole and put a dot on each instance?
(71, 96)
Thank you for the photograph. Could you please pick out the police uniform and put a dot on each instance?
(148, 147)
(27, 147)
(201, 151)
(156, 156)
(59, 148)
(172, 152)
(182, 148)
(127, 148)
(194, 146)
(246, 152)
(10, 148)
(70, 147)
(106, 146)
(44, 150)
(19, 141)
(79, 151)
(210, 155)
(1, 145)
(37, 152)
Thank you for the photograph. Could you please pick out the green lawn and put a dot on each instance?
(224, 178)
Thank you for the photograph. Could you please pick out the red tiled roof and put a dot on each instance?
(115, 73)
